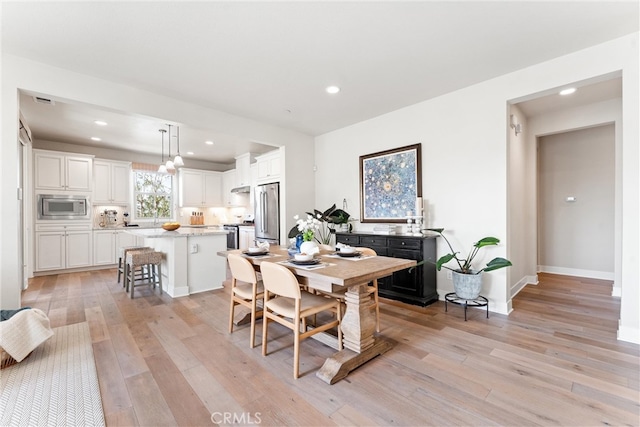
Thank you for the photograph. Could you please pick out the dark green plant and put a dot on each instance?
(329, 216)
(464, 264)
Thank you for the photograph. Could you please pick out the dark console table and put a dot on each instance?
(415, 286)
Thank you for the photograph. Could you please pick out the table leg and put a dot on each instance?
(358, 323)
(358, 326)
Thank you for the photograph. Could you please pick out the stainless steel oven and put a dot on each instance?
(63, 207)
(232, 236)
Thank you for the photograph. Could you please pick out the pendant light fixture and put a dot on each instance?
(169, 165)
(163, 167)
(177, 161)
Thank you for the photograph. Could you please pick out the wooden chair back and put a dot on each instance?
(241, 268)
(326, 249)
(366, 251)
(279, 280)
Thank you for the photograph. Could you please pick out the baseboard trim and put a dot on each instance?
(631, 335)
(591, 274)
(526, 280)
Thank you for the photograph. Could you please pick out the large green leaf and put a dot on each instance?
(444, 259)
(487, 241)
(328, 212)
(338, 216)
(497, 263)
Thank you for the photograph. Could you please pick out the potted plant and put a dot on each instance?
(319, 222)
(340, 218)
(467, 281)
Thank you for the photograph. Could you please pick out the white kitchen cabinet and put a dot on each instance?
(243, 169)
(61, 247)
(50, 250)
(111, 182)
(104, 247)
(229, 199)
(212, 188)
(78, 249)
(268, 167)
(107, 244)
(228, 182)
(246, 237)
(200, 188)
(62, 171)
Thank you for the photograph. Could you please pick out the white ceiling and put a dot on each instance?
(270, 61)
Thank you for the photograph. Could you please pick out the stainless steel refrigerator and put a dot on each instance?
(267, 213)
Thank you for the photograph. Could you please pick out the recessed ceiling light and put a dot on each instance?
(190, 153)
(95, 138)
(209, 142)
(567, 91)
(100, 122)
(332, 89)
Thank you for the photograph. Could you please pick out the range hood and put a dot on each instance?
(243, 189)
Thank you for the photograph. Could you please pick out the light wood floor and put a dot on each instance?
(161, 361)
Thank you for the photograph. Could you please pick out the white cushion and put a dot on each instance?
(245, 290)
(286, 306)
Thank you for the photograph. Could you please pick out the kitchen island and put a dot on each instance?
(189, 264)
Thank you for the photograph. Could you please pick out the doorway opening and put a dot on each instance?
(576, 202)
(542, 240)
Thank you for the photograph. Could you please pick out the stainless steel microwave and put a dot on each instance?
(63, 207)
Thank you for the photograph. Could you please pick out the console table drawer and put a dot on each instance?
(373, 241)
(348, 239)
(404, 243)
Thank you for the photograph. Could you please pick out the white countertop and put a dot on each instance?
(180, 232)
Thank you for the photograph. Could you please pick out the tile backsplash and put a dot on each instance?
(212, 216)
(100, 219)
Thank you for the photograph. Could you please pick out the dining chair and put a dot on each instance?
(247, 293)
(372, 289)
(325, 249)
(284, 300)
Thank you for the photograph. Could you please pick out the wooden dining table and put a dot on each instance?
(333, 274)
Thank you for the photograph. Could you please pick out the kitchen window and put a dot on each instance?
(152, 195)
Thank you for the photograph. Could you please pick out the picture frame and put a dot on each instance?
(390, 183)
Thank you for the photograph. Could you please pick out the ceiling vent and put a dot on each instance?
(45, 101)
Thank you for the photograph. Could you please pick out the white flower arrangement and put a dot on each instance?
(308, 227)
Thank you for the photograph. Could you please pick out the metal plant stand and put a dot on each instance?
(480, 301)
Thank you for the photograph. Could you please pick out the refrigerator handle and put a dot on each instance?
(263, 202)
(259, 218)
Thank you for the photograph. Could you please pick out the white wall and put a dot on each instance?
(577, 238)
(19, 73)
(521, 217)
(464, 137)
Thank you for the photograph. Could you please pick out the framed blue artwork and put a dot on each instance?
(390, 182)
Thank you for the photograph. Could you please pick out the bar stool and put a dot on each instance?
(123, 255)
(141, 260)
(140, 273)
